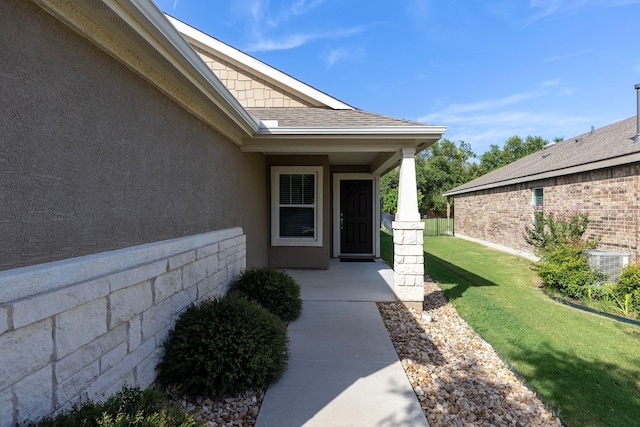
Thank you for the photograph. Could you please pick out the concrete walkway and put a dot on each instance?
(343, 369)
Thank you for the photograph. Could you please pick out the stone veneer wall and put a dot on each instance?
(83, 327)
(408, 260)
(249, 90)
(610, 196)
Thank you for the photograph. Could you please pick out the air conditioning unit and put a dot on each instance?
(609, 263)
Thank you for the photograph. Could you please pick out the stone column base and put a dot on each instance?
(408, 260)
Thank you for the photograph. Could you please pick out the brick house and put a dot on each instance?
(143, 164)
(597, 172)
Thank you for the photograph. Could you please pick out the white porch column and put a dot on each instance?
(408, 232)
(407, 188)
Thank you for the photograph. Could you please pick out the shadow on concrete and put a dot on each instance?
(343, 369)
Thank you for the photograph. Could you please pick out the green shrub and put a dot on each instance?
(224, 346)
(550, 230)
(626, 291)
(565, 270)
(629, 280)
(130, 407)
(275, 290)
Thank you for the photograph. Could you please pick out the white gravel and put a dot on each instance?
(457, 376)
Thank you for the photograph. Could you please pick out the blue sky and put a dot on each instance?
(486, 69)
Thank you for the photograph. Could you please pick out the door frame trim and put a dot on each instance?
(375, 203)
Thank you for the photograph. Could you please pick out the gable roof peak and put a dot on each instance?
(257, 67)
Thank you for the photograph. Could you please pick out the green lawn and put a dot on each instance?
(586, 366)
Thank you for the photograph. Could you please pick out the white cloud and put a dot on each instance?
(300, 7)
(455, 110)
(337, 55)
(493, 121)
(544, 8)
(568, 55)
(295, 40)
(550, 83)
(267, 29)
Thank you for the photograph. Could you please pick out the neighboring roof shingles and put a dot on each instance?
(610, 142)
(328, 118)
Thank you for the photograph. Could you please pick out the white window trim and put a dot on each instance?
(276, 171)
(337, 177)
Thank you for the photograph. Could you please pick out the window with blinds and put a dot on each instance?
(296, 212)
(538, 198)
(297, 205)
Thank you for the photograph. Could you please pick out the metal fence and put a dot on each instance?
(439, 226)
(386, 219)
(432, 226)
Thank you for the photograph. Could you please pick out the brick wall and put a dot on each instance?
(248, 89)
(610, 196)
(81, 328)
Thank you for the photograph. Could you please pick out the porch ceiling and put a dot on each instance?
(380, 152)
(381, 156)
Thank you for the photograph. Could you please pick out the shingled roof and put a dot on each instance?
(327, 118)
(608, 146)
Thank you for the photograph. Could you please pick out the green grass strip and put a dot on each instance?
(585, 365)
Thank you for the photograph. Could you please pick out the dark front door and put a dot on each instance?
(356, 217)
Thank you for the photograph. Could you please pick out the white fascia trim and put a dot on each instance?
(291, 146)
(386, 131)
(181, 55)
(588, 167)
(265, 71)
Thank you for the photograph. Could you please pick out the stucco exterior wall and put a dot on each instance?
(93, 158)
(248, 89)
(255, 208)
(610, 196)
(300, 256)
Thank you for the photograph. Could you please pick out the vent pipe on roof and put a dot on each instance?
(637, 137)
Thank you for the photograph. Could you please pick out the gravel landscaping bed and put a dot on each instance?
(236, 411)
(458, 377)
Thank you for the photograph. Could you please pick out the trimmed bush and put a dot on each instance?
(565, 270)
(128, 407)
(274, 289)
(224, 346)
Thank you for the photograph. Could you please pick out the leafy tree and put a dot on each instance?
(446, 165)
(389, 191)
(439, 168)
(513, 149)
